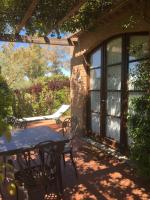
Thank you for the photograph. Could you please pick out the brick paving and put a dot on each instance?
(100, 176)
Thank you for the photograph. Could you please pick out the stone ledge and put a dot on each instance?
(106, 149)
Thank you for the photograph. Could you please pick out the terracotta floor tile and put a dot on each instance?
(100, 177)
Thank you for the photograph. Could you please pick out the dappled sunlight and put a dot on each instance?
(124, 183)
(100, 176)
(115, 175)
(90, 165)
(83, 193)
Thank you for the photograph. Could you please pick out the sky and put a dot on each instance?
(25, 45)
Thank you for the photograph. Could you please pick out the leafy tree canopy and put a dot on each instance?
(48, 13)
(22, 66)
(87, 15)
(45, 17)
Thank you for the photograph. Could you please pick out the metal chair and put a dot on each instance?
(50, 156)
(69, 128)
(16, 123)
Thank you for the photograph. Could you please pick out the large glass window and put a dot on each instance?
(121, 59)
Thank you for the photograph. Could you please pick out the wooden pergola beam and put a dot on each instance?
(27, 15)
(35, 40)
(70, 14)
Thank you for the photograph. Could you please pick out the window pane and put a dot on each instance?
(113, 103)
(113, 128)
(114, 77)
(95, 75)
(114, 51)
(133, 67)
(95, 101)
(95, 122)
(139, 46)
(96, 59)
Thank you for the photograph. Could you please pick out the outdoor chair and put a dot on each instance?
(27, 173)
(69, 129)
(15, 122)
(40, 170)
(50, 156)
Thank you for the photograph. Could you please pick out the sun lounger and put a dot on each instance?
(54, 116)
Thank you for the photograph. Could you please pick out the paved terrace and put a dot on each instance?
(100, 176)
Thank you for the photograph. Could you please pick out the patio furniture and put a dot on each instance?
(16, 123)
(41, 172)
(50, 155)
(55, 116)
(23, 142)
(69, 128)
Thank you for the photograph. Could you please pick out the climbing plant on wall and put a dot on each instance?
(139, 121)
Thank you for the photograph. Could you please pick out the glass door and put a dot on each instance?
(113, 88)
(95, 87)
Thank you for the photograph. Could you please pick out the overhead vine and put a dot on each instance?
(47, 15)
(87, 15)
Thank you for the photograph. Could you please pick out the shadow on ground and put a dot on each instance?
(100, 176)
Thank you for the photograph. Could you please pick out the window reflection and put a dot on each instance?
(113, 128)
(113, 103)
(114, 51)
(95, 123)
(133, 67)
(95, 78)
(114, 77)
(95, 101)
(96, 59)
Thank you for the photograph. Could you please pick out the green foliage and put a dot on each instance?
(87, 16)
(42, 98)
(22, 66)
(44, 18)
(5, 107)
(49, 13)
(139, 121)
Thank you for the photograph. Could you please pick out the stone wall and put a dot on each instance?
(88, 41)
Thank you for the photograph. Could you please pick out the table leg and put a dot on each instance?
(5, 170)
(60, 178)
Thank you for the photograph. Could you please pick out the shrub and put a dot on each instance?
(42, 98)
(139, 122)
(5, 106)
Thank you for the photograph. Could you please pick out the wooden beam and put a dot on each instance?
(27, 15)
(70, 14)
(35, 40)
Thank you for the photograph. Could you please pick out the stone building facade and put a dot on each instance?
(100, 71)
